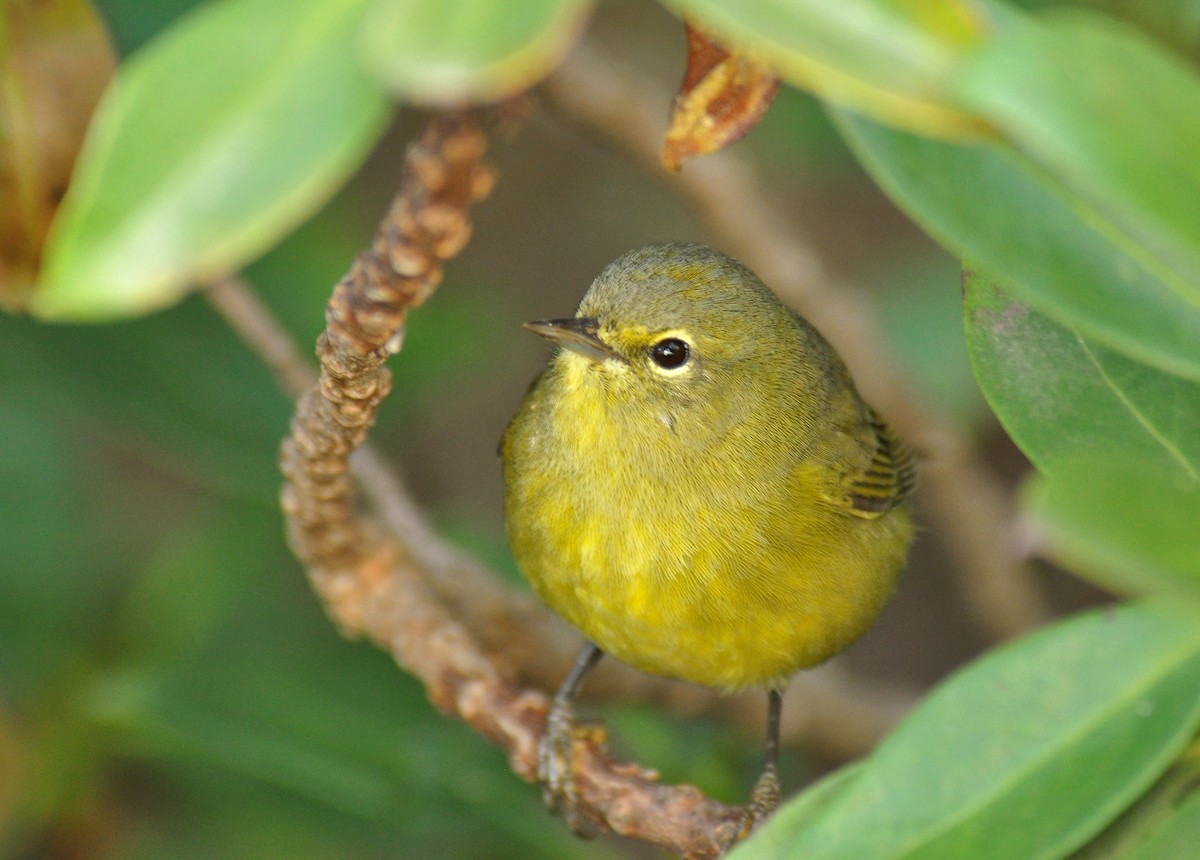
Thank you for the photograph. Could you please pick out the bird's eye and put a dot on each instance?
(670, 353)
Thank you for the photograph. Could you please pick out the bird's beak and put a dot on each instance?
(578, 334)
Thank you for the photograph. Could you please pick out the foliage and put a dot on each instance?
(1026, 753)
(1051, 150)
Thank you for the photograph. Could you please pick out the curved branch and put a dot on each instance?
(371, 584)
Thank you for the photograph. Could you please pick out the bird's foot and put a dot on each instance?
(764, 800)
(556, 763)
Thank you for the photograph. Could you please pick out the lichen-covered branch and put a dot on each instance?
(427, 224)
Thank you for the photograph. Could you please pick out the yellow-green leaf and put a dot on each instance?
(1129, 524)
(217, 139)
(455, 51)
(1113, 117)
(894, 60)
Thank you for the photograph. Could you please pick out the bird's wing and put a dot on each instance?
(888, 477)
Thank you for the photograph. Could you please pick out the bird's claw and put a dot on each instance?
(764, 800)
(555, 758)
(556, 763)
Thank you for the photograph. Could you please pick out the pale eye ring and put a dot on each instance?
(670, 353)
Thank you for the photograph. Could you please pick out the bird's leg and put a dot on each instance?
(555, 750)
(765, 797)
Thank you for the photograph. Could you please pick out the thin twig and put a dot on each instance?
(258, 328)
(629, 110)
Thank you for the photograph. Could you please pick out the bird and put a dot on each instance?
(695, 484)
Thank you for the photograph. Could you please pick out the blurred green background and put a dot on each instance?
(169, 686)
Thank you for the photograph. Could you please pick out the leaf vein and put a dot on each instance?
(1142, 419)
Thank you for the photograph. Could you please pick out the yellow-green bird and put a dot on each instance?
(696, 485)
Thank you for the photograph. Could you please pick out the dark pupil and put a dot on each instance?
(670, 353)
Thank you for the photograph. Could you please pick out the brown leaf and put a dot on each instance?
(723, 95)
(55, 60)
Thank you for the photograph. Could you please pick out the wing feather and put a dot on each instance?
(888, 478)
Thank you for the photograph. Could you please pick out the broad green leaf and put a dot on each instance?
(774, 842)
(1131, 525)
(54, 62)
(1025, 754)
(215, 140)
(893, 59)
(1178, 836)
(1142, 827)
(452, 51)
(1060, 395)
(1113, 117)
(986, 204)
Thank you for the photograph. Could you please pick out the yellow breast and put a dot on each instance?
(720, 563)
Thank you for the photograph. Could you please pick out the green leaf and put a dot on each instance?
(774, 842)
(215, 140)
(1113, 117)
(893, 59)
(1140, 823)
(452, 51)
(1178, 836)
(985, 203)
(1128, 524)
(1024, 754)
(1060, 395)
